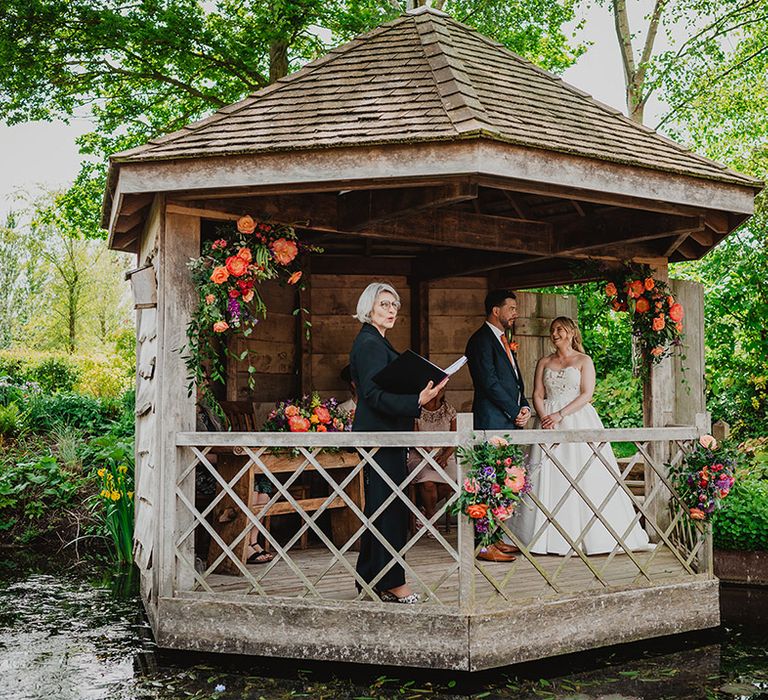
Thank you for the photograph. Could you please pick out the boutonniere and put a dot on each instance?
(514, 345)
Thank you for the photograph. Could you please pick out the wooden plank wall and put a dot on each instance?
(688, 374)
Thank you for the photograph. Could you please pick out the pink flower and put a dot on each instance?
(708, 442)
(470, 486)
(508, 462)
(495, 488)
(498, 442)
(515, 479)
(209, 298)
(220, 326)
(502, 513)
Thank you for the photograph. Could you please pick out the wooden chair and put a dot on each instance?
(239, 415)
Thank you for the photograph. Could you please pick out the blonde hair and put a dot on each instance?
(570, 325)
(368, 299)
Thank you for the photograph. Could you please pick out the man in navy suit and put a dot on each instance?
(499, 402)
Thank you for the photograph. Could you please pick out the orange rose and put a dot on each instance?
(676, 312)
(697, 514)
(284, 250)
(636, 288)
(298, 424)
(220, 326)
(659, 323)
(649, 283)
(610, 289)
(291, 411)
(670, 300)
(322, 429)
(209, 298)
(245, 254)
(478, 510)
(322, 414)
(295, 277)
(679, 327)
(245, 224)
(642, 305)
(658, 350)
(219, 275)
(236, 266)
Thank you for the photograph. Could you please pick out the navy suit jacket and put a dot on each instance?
(499, 395)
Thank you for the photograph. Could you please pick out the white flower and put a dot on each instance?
(220, 688)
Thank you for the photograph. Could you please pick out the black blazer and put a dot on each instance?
(378, 409)
(499, 395)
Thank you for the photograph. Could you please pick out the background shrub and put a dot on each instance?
(618, 400)
(92, 416)
(742, 522)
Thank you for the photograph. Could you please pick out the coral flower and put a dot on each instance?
(477, 510)
(610, 289)
(515, 479)
(508, 462)
(649, 283)
(245, 224)
(292, 411)
(248, 296)
(220, 326)
(236, 266)
(676, 312)
(636, 288)
(679, 327)
(708, 442)
(498, 442)
(659, 323)
(502, 513)
(209, 298)
(470, 486)
(642, 305)
(323, 414)
(322, 429)
(295, 277)
(298, 424)
(284, 250)
(245, 254)
(697, 514)
(670, 300)
(514, 346)
(219, 275)
(657, 351)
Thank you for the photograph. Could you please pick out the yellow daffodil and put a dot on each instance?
(101, 472)
(130, 495)
(122, 469)
(115, 495)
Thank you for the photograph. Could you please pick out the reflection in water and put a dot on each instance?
(76, 635)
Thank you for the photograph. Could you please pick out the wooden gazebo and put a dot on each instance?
(427, 154)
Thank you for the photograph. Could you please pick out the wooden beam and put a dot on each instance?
(135, 202)
(359, 265)
(359, 209)
(126, 223)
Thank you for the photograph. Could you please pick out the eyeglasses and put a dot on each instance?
(387, 305)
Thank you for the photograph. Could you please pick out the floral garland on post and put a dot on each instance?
(704, 477)
(657, 319)
(494, 485)
(226, 277)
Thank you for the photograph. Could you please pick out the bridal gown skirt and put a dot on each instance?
(549, 485)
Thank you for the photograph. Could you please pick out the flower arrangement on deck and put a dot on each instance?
(657, 319)
(493, 485)
(227, 277)
(309, 414)
(704, 477)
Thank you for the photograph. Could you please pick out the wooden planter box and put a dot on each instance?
(740, 566)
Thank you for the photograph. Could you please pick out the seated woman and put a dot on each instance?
(382, 411)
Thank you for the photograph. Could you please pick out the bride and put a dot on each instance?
(563, 387)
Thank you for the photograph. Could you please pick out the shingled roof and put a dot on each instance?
(425, 77)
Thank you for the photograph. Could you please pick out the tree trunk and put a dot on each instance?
(278, 60)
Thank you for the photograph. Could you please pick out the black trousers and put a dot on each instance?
(392, 523)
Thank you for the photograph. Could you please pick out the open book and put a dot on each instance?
(411, 372)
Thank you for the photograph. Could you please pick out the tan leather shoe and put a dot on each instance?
(493, 553)
(507, 548)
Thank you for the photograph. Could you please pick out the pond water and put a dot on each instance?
(70, 632)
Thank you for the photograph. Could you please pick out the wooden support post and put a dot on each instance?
(466, 531)
(179, 241)
(304, 298)
(657, 413)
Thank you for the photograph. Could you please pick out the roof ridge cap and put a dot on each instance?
(600, 105)
(462, 104)
(225, 111)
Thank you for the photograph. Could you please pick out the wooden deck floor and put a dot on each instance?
(431, 561)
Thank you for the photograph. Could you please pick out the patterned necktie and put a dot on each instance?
(505, 343)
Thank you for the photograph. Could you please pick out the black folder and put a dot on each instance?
(411, 372)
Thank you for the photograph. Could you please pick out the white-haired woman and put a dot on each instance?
(382, 411)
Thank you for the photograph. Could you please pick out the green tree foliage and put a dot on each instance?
(149, 67)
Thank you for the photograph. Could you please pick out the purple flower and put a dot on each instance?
(234, 308)
(488, 471)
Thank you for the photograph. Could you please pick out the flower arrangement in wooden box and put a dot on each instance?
(309, 414)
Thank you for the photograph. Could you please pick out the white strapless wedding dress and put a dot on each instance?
(549, 484)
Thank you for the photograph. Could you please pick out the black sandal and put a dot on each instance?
(261, 557)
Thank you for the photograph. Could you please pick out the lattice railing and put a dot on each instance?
(440, 565)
